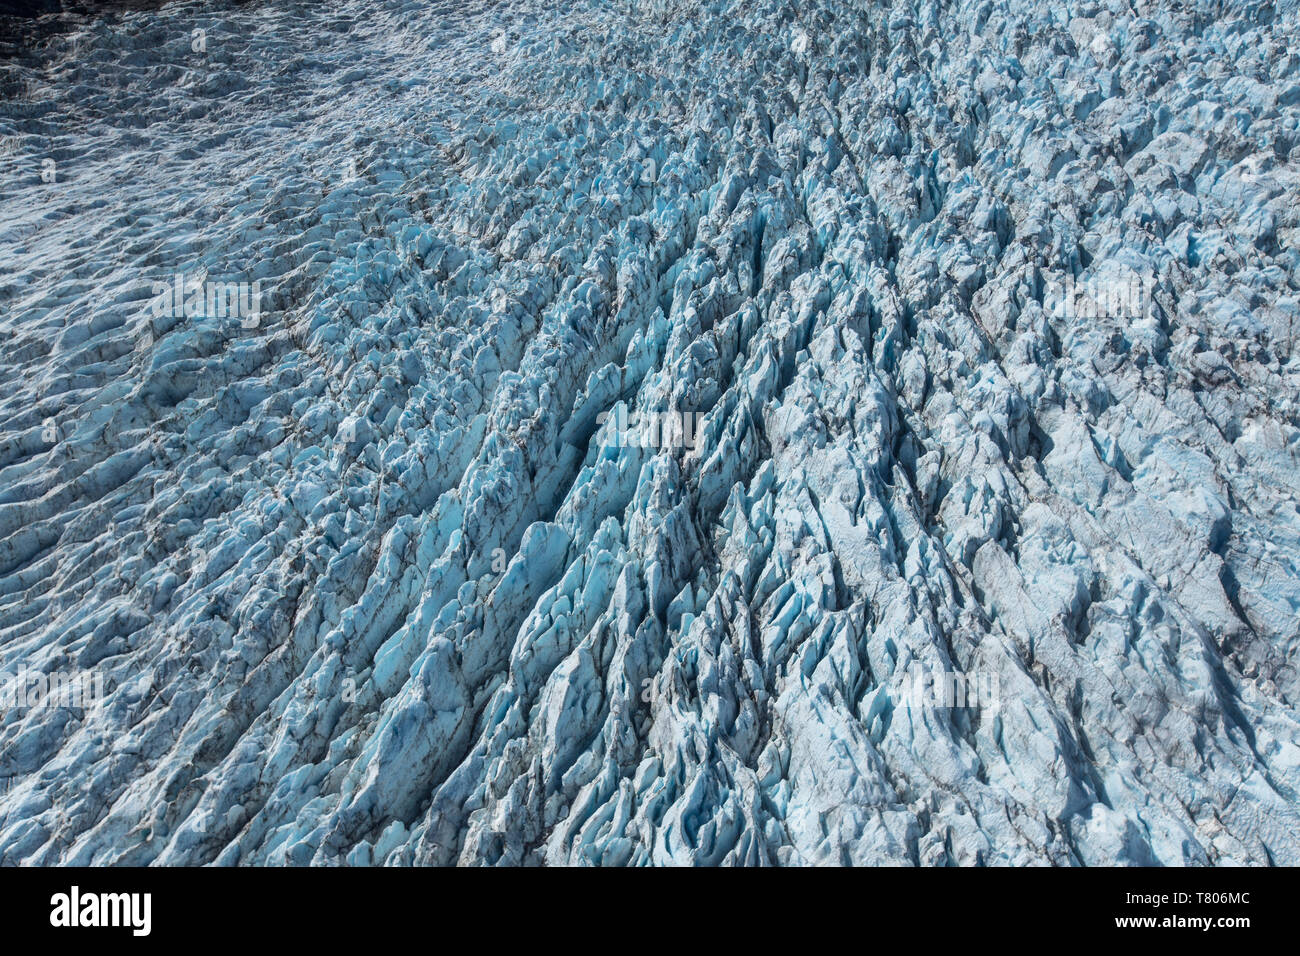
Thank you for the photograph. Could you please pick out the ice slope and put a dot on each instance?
(375, 580)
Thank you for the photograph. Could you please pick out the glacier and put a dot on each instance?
(510, 433)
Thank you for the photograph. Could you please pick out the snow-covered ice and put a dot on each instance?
(592, 433)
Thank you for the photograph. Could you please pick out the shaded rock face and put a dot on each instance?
(763, 433)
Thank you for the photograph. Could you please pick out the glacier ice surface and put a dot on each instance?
(980, 321)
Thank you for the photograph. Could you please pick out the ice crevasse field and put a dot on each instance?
(673, 432)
